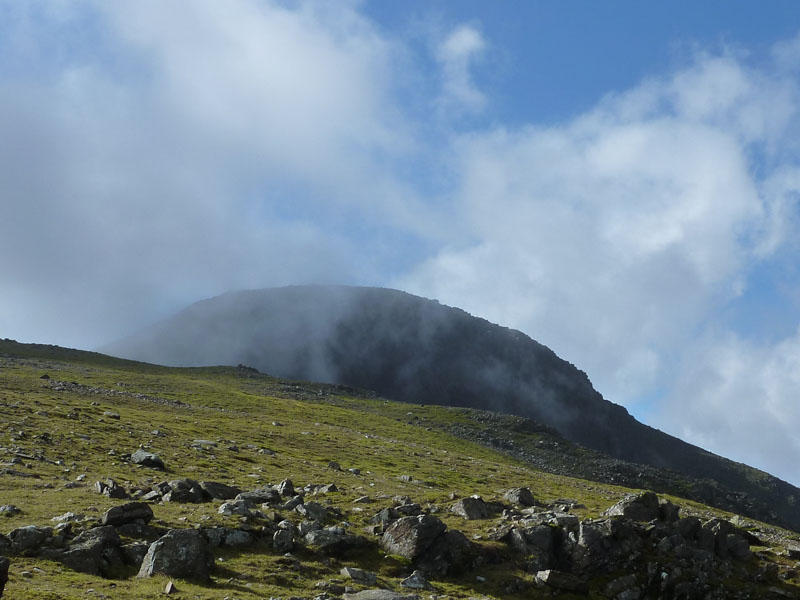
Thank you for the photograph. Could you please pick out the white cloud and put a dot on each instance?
(199, 147)
(456, 54)
(739, 397)
(616, 237)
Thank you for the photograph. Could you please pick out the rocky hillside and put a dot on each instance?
(416, 350)
(127, 480)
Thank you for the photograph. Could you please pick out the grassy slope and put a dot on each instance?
(236, 408)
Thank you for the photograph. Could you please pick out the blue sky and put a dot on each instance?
(619, 180)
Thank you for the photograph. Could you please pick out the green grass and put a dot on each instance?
(236, 409)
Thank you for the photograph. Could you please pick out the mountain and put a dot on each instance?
(416, 350)
(225, 482)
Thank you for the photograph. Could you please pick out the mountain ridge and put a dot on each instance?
(420, 351)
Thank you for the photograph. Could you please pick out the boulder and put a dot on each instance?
(417, 581)
(260, 496)
(561, 581)
(127, 513)
(219, 491)
(184, 491)
(334, 541)
(380, 595)
(28, 540)
(244, 508)
(228, 537)
(313, 511)
(359, 575)
(286, 488)
(409, 537)
(147, 459)
(471, 508)
(449, 554)
(182, 553)
(96, 551)
(641, 507)
(521, 496)
(4, 565)
(283, 540)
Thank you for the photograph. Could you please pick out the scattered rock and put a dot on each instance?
(181, 553)
(380, 595)
(147, 459)
(561, 581)
(219, 491)
(170, 588)
(641, 507)
(359, 575)
(9, 510)
(471, 508)
(28, 540)
(4, 565)
(97, 551)
(409, 537)
(521, 496)
(417, 581)
(127, 513)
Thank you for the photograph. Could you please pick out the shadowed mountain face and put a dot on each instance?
(416, 350)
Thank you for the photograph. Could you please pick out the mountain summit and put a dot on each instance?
(416, 350)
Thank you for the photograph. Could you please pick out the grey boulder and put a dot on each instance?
(181, 553)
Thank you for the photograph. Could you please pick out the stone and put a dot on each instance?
(641, 507)
(134, 553)
(283, 540)
(4, 565)
(409, 537)
(359, 575)
(228, 537)
(185, 491)
(521, 496)
(96, 551)
(471, 508)
(334, 541)
(127, 513)
(313, 510)
(170, 588)
(219, 491)
(147, 459)
(9, 510)
(110, 414)
(28, 540)
(449, 554)
(181, 553)
(561, 581)
(668, 512)
(260, 496)
(380, 595)
(417, 581)
(244, 508)
(285, 488)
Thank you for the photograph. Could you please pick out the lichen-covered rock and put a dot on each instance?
(182, 553)
(641, 507)
(219, 491)
(29, 540)
(147, 459)
(97, 551)
(334, 541)
(521, 496)
(471, 508)
(4, 565)
(129, 512)
(411, 536)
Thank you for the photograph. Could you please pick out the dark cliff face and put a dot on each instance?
(417, 350)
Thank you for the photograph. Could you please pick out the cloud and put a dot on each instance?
(738, 397)
(456, 55)
(616, 238)
(197, 148)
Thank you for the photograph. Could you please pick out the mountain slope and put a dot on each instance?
(72, 418)
(416, 350)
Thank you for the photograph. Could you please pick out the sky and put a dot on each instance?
(618, 180)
